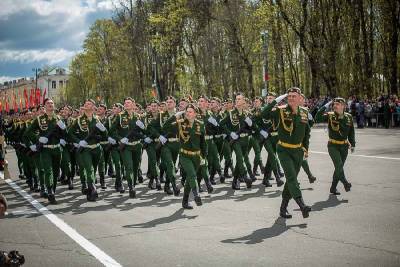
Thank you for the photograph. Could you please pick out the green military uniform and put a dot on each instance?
(126, 131)
(169, 151)
(234, 125)
(256, 141)
(50, 156)
(67, 166)
(219, 141)
(105, 156)
(86, 132)
(304, 164)
(193, 152)
(153, 151)
(341, 137)
(294, 134)
(30, 159)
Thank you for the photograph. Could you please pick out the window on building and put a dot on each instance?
(60, 84)
(53, 84)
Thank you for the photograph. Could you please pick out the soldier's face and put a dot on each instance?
(128, 104)
(88, 106)
(293, 99)
(203, 103)
(257, 103)
(153, 107)
(270, 98)
(183, 105)
(190, 114)
(170, 104)
(101, 111)
(240, 102)
(338, 107)
(49, 106)
(213, 104)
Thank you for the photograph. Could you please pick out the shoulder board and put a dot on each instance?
(180, 120)
(304, 108)
(331, 112)
(282, 107)
(199, 121)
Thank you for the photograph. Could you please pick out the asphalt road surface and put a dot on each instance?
(241, 228)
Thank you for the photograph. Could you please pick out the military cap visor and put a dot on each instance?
(339, 100)
(294, 90)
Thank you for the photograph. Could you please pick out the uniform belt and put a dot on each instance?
(287, 145)
(337, 142)
(273, 134)
(244, 135)
(132, 143)
(104, 143)
(51, 146)
(173, 139)
(92, 146)
(209, 137)
(190, 153)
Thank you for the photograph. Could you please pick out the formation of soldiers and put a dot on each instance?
(54, 146)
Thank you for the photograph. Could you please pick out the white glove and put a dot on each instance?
(264, 134)
(248, 121)
(111, 140)
(140, 124)
(76, 145)
(280, 98)
(162, 139)
(83, 143)
(202, 162)
(310, 118)
(212, 121)
(100, 126)
(62, 142)
(148, 140)
(327, 105)
(234, 136)
(223, 135)
(179, 113)
(43, 140)
(124, 140)
(33, 148)
(61, 124)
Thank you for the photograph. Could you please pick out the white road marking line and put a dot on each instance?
(355, 155)
(68, 230)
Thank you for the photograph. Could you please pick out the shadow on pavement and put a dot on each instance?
(258, 236)
(177, 215)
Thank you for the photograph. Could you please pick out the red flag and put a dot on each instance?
(44, 95)
(7, 106)
(15, 104)
(20, 101)
(37, 98)
(26, 98)
(1, 106)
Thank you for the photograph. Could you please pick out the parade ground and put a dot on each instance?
(232, 228)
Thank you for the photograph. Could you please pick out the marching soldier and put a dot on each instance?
(293, 135)
(341, 138)
(237, 126)
(257, 139)
(105, 156)
(193, 151)
(304, 164)
(67, 176)
(51, 129)
(128, 130)
(86, 133)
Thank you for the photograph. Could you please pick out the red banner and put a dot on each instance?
(26, 98)
(44, 95)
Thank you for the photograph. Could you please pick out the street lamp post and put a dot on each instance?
(264, 39)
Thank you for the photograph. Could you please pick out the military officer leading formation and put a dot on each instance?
(189, 137)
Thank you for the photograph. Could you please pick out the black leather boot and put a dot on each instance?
(235, 183)
(333, 189)
(252, 176)
(102, 182)
(84, 189)
(312, 179)
(140, 176)
(199, 185)
(197, 198)
(92, 192)
(347, 186)
(212, 175)
(221, 177)
(305, 210)
(158, 184)
(185, 199)
(43, 192)
(132, 190)
(167, 189)
(71, 183)
(255, 167)
(226, 172)
(209, 186)
(50, 195)
(175, 189)
(266, 181)
(162, 179)
(248, 181)
(151, 183)
(283, 210)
